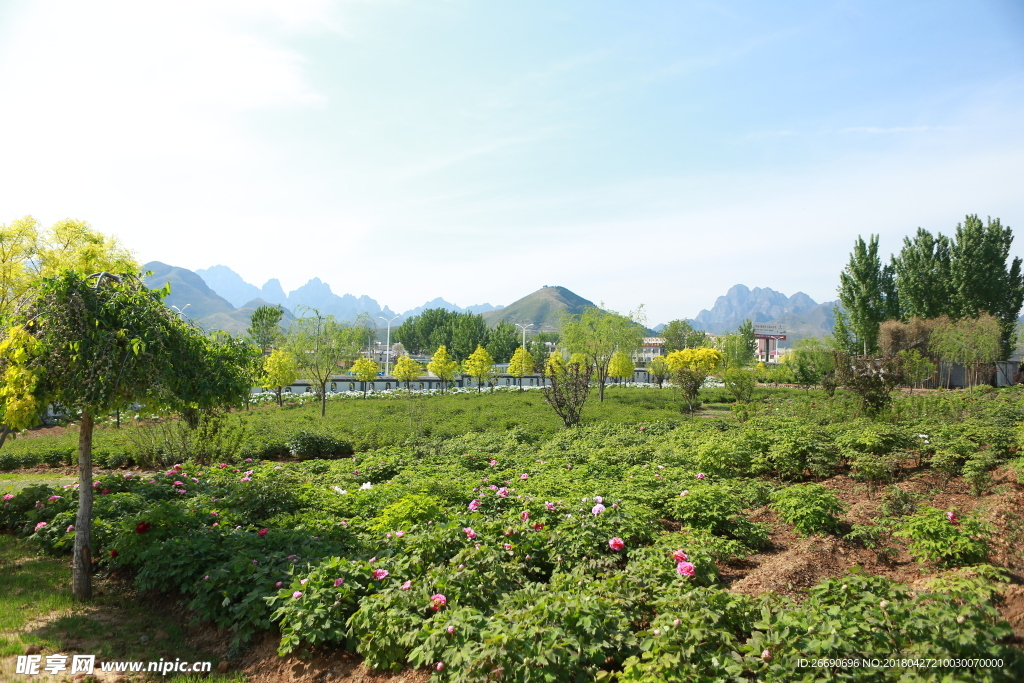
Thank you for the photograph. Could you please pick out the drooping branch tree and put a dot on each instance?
(321, 344)
(92, 344)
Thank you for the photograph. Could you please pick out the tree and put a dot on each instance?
(521, 364)
(973, 342)
(740, 382)
(873, 379)
(982, 281)
(280, 369)
(923, 275)
(443, 366)
(264, 327)
(658, 369)
(480, 366)
(867, 292)
(502, 341)
(406, 370)
(103, 341)
(621, 366)
(691, 368)
(365, 370)
(739, 348)
(679, 335)
(811, 363)
(321, 344)
(598, 334)
(567, 389)
(917, 367)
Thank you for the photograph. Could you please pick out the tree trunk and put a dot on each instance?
(323, 400)
(81, 584)
(4, 431)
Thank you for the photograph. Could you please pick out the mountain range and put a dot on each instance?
(217, 298)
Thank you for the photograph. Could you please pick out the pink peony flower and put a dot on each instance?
(766, 655)
(8, 496)
(407, 585)
(40, 525)
(953, 519)
(338, 582)
(549, 506)
(508, 546)
(440, 666)
(106, 492)
(597, 509)
(179, 483)
(524, 515)
(616, 544)
(686, 569)
(450, 629)
(598, 499)
(437, 601)
(399, 533)
(302, 582)
(684, 494)
(503, 492)
(474, 505)
(262, 532)
(680, 556)
(493, 463)
(524, 476)
(278, 584)
(71, 527)
(701, 475)
(470, 534)
(380, 574)
(53, 498)
(297, 594)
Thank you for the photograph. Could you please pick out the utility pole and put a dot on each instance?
(523, 328)
(387, 350)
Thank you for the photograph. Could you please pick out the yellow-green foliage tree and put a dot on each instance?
(321, 344)
(280, 369)
(443, 366)
(621, 366)
(521, 364)
(599, 334)
(365, 371)
(406, 370)
(479, 366)
(658, 370)
(691, 368)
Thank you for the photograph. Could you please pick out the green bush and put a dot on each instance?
(810, 508)
(718, 508)
(933, 537)
(307, 445)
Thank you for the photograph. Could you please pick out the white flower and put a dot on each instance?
(366, 486)
(340, 491)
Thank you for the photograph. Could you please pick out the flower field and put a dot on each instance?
(642, 547)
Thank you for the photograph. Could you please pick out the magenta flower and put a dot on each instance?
(493, 463)
(302, 582)
(262, 532)
(437, 601)
(179, 483)
(549, 506)
(503, 492)
(40, 525)
(701, 475)
(474, 505)
(597, 509)
(470, 534)
(440, 666)
(524, 476)
(8, 496)
(680, 556)
(508, 546)
(399, 533)
(297, 594)
(407, 585)
(616, 544)
(953, 519)
(278, 584)
(71, 527)
(686, 569)
(538, 526)
(380, 574)
(524, 515)
(338, 582)
(53, 498)
(450, 629)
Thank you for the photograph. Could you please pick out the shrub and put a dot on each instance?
(932, 536)
(810, 508)
(408, 511)
(307, 445)
(718, 509)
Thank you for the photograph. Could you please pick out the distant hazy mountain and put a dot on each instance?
(760, 305)
(188, 291)
(543, 309)
(231, 286)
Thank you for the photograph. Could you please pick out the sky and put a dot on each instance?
(649, 152)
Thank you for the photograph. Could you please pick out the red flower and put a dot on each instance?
(113, 554)
(142, 527)
(104, 492)
(262, 532)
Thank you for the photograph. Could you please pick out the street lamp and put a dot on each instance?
(387, 351)
(523, 328)
(181, 311)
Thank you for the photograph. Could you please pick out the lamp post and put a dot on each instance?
(523, 328)
(181, 311)
(387, 350)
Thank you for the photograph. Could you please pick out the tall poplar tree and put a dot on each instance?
(867, 291)
(922, 271)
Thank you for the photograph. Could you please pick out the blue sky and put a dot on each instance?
(644, 152)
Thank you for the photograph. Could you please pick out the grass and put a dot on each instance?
(12, 483)
(36, 608)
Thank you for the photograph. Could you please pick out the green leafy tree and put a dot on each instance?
(365, 370)
(479, 366)
(443, 366)
(502, 341)
(679, 335)
(867, 292)
(923, 275)
(567, 389)
(521, 364)
(621, 367)
(740, 382)
(406, 370)
(597, 334)
(322, 344)
(104, 341)
(917, 367)
(811, 363)
(982, 279)
(265, 327)
(280, 369)
(658, 370)
(739, 348)
(973, 342)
